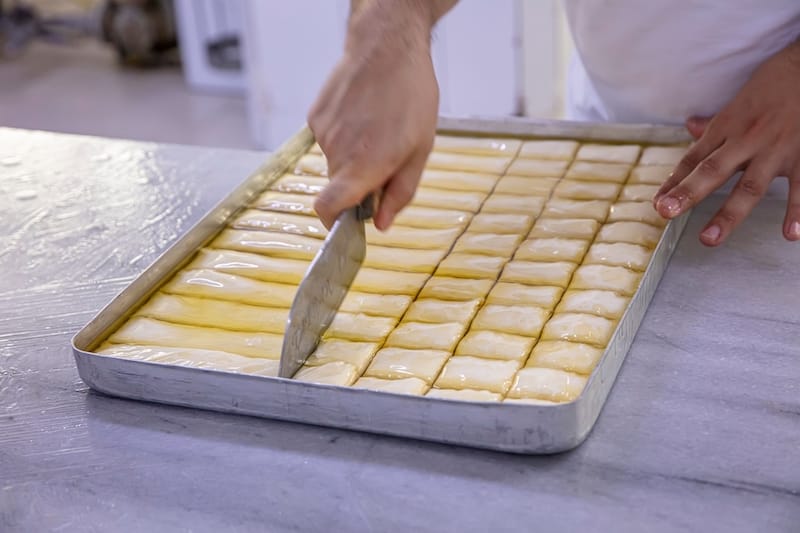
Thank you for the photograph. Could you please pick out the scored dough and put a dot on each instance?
(662, 155)
(488, 244)
(415, 216)
(623, 254)
(458, 181)
(413, 386)
(213, 284)
(589, 171)
(389, 305)
(547, 384)
(654, 175)
(315, 149)
(514, 319)
(586, 190)
(513, 203)
(255, 266)
(632, 232)
(500, 223)
(254, 219)
(459, 289)
(273, 244)
(283, 202)
(465, 372)
(354, 327)
(609, 153)
(470, 266)
(421, 335)
(529, 186)
(636, 212)
(638, 192)
(556, 273)
(505, 293)
(554, 249)
(333, 373)
(434, 311)
(468, 163)
(194, 358)
(399, 363)
(442, 199)
(528, 401)
(140, 330)
(388, 282)
(495, 345)
(563, 355)
(607, 304)
(612, 278)
(358, 354)
(569, 208)
(537, 167)
(300, 184)
(547, 149)
(566, 228)
(401, 259)
(475, 145)
(210, 313)
(464, 395)
(314, 164)
(406, 237)
(579, 327)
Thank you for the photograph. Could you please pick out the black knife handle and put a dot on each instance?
(366, 209)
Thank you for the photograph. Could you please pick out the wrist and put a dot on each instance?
(392, 25)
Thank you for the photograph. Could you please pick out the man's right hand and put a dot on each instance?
(375, 118)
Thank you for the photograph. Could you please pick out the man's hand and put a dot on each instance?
(759, 133)
(375, 118)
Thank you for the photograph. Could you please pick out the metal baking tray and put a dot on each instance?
(518, 428)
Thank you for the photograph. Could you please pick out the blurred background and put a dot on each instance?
(242, 73)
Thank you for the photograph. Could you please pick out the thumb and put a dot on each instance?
(340, 194)
(697, 126)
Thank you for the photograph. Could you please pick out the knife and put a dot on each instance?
(324, 286)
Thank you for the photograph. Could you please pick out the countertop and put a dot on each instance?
(701, 431)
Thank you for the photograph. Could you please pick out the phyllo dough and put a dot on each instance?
(413, 386)
(504, 293)
(609, 153)
(611, 278)
(586, 190)
(407, 237)
(314, 164)
(662, 155)
(547, 384)
(636, 212)
(422, 335)
(623, 254)
(563, 355)
(300, 184)
(389, 305)
(334, 373)
(388, 282)
(465, 372)
(487, 244)
(476, 145)
(632, 232)
(638, 192)
(514, 319)
(554, 249)
(565, 228)
(366, 328)
(495, 345)
(590, 171)
(399, 363)
(607, 304)
(256, 266)
(557, 273)
(653, 175)
(268, 243)
(356, 353)
(194, 358)
(513, 203)
(528, 186)
(459, 289)
(255, 219)
(442, 199)
(213, 284)
(435, 311)
(402, 259)
(569, 208)
(464, 395)
(282, 202)
(415, 216)
(470, 266)
(537, 167)
(501, 223)
(579, 327)
(458, 181)
(548, 149)
(469, 163)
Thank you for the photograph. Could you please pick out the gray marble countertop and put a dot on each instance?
(700, 433)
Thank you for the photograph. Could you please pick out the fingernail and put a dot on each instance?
(670, 205)
(712, 233)
(794, 230)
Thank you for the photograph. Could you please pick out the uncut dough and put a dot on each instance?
(459, 289)
(388, 282)
(470, 266)
(468, 163)
(505, 293)
(140, 330)
(528, 186)
(579, 327)
(570, 208)
(254, 219)
(358, 354)
(567, 228)
(194, 358)
(534, 167)
(654, 175)
(495, 345)
(638, 192)
(662, 155)
(607, 304)
(212, 284)
(315, 149)
(267, 243)
(475, 145)
(556, 273)
(399, 363)
(403, 260)
(333, 373)
(314, 164)
(464, 395)
(563, 355)
(632, 232)
(555, 249)
(612, 278)
(256, 266)
(421, 335)
(465, 372)
(210, 313)
(586, 190)
(528, 401)
(547, 149)
(513, 203)
(500, 223)
(405, 237)
(354, 327)
(284, 202)
(413, 386)
(442, 199)
(636, 212)
(389, 305)
(547, 384)
(300, 184)
(458, 181)
(514, 319)
(436, 311)
(588, 171)
(623, 254)
(415, 216)
(609, 153)
(487, 244)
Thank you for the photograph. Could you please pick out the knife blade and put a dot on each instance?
(323, 288)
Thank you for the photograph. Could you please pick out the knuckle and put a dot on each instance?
(710, 166)
(688, 163)
(727, 217)
(751, 187)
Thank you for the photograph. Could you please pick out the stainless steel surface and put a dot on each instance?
(512, 428)
(699, 435)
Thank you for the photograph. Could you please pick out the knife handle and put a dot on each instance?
(368, 206)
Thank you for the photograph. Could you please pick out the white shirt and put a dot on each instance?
(661, 61)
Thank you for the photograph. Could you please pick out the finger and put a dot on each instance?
(791, 224)
(697, 126)
(749, 190)
(400, 190)
(340, 194)
(708, 175)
